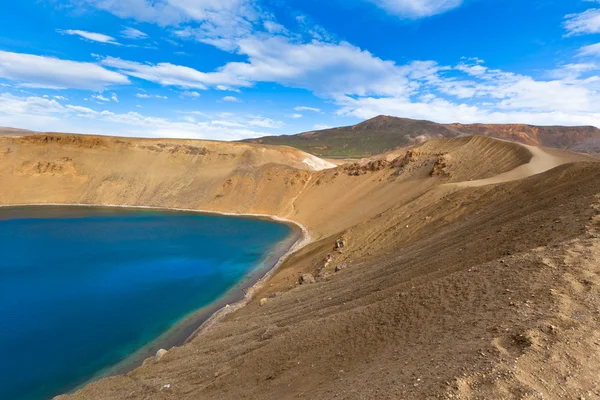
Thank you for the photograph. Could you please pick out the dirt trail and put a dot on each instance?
(541, 161)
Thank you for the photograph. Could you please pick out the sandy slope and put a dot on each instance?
(541, 161)
(450, 285)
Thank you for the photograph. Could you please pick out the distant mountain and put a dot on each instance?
(385, 133)
(4, 131)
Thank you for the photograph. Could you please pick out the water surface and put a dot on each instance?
(81, 289)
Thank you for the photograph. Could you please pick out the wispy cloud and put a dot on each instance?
(583, 23)
(304, 108)
(417, 8)
(132, 33)
(266, 123)
(168, 74)
(231, 99)
(591, 50)
(147, 96)
(48, 72)
(100, 98)
(92, 36)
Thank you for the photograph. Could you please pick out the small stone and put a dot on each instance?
(263, 301)
(160, 354)
(338, 268)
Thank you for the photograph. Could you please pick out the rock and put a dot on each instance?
(340, 243)
(338, 268)
(160, 354)
(307, 279)
(263, 301)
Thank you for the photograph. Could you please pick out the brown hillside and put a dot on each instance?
(14, 132)
(384, 133)
(463, 269)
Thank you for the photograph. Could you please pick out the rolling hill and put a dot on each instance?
(384, 133)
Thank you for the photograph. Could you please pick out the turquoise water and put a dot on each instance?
(82, 289)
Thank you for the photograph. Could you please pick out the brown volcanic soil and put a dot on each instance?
(448, 287)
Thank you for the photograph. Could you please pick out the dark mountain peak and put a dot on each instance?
(384, 121)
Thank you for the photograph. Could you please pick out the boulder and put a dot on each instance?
(306, 279)
(160, 354)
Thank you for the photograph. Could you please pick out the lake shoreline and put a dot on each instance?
(204, 318)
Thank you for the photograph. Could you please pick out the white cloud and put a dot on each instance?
(417, 8)
(132, 33)
(226, 88)
(583, 23)
(147, 96)
(304, 108)
(231, 99)
(190, 94)
(266, 123)
(168, 74)
(10, 104)
(92, 36)
(48, 72)
(100, 98)
(82, 111)
(325, 68)
(274, 27)
(211, 21)
(320, 127)
(114, 98)
(591, 50)
(229, 124)
(296, 116)
(573, 71)
(173, 12)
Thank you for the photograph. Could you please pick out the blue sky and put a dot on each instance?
(233, 69)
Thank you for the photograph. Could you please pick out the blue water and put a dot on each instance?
(82, 289)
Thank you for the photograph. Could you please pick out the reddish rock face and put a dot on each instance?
(549, 136)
